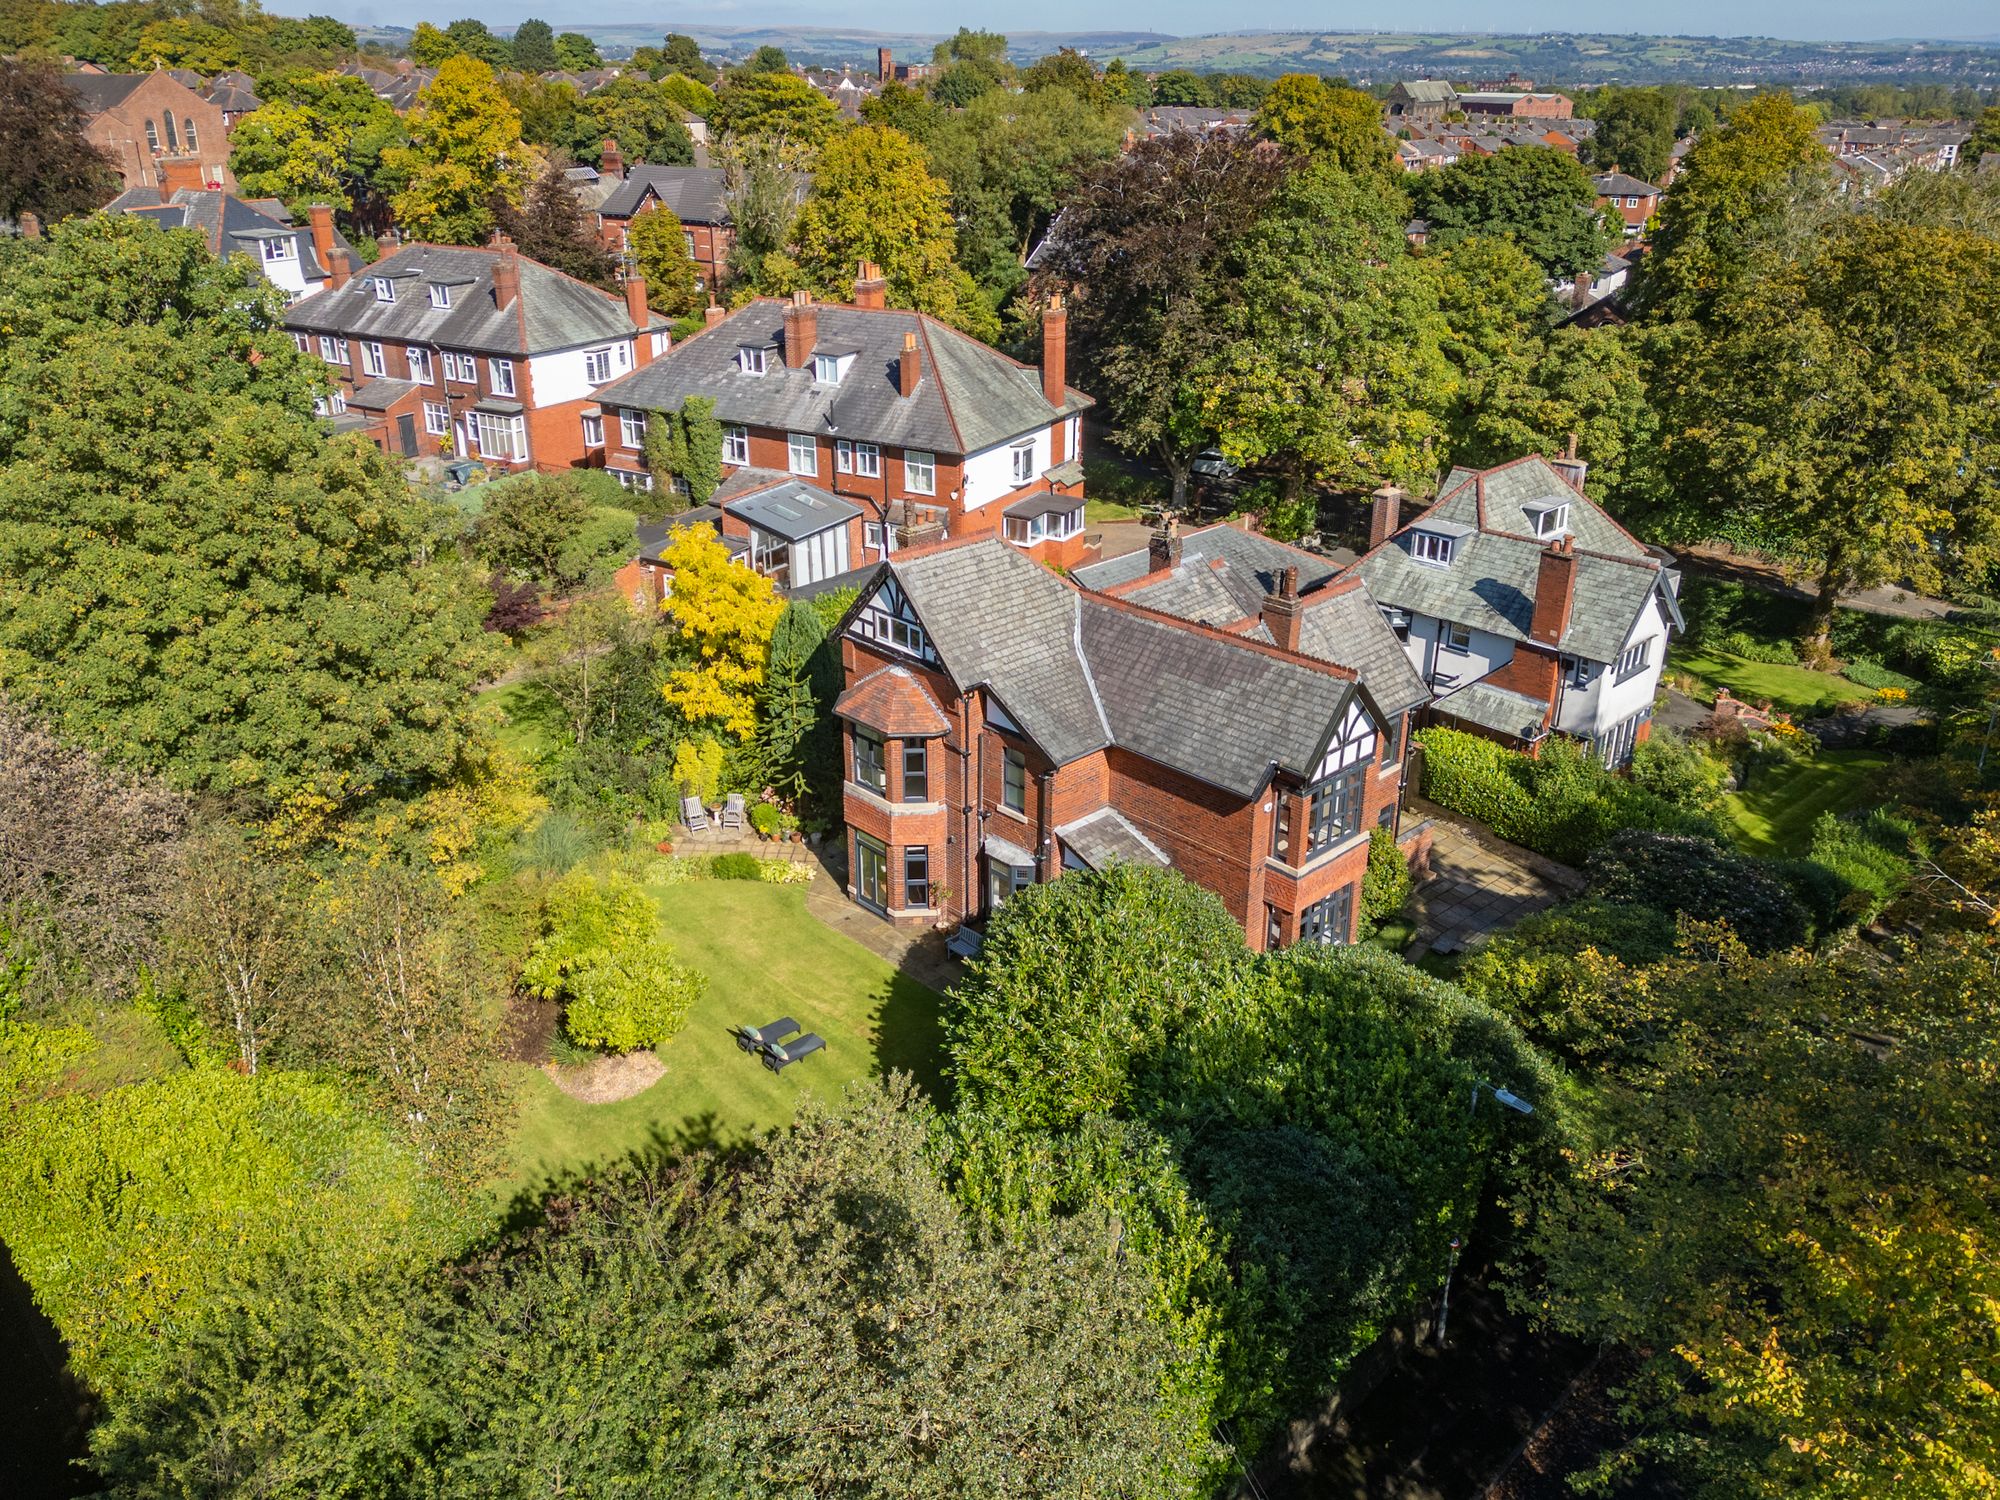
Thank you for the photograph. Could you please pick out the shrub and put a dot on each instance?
(557, 844)
(734, 867)
(603, 956)
(1385, 887)
(1870, 673)
(1750, 648)
(1563, 804)
(1871, 857)
(1698, 878)
(765, 818)
(1675, 771)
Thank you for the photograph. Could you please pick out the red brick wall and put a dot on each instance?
(121, 131)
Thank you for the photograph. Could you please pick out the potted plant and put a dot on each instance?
(941, 901)
(765, 817)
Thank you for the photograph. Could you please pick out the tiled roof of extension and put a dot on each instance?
(893, 701)
(970, 397)
(1081, 672)
(552, 312)
(1490, 582)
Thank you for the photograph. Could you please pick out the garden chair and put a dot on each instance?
(732, 812)
(694, 814)
(781, 1055)
(754, 1038)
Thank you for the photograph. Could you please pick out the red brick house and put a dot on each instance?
(696, 196)
(481, 353)
(1518, 106)
(925, 432)
(1003, 724)
(158, 132)
(1635, 201)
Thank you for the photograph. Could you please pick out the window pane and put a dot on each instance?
(1014, 781)
(916, 877)
(916, 772)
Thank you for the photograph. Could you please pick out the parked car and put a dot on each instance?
(1210, 465)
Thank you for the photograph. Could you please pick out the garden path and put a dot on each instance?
(1478, 884)
(918, 952)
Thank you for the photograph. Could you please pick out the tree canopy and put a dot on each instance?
(1304, 113)
(1537, 196)
(465, 150)
(46, 165)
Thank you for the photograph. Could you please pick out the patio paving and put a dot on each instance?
(1478, 884)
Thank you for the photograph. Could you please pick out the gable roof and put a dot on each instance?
(1080, 672)
(694, 195)
(1490, 581)
(553, 311)
(970, 397)
(102, 91)
(1618, 185)
(229, 224)
(1226, 573)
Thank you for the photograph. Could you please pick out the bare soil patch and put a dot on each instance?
(606, 1080)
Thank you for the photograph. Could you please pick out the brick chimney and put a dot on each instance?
(712, 314)
(635, 301)
(177, 172)
(31, 225)
(1555, 593)
(1570, 467)
(1385, 514)
(1163, 548)
(612, 163)
(1580, 294)
(885, 64)
(871, 287)
(909, 366)
(801, 330)
(320, 215)
(506, 272)
(1284, 611)
(1055, 350)
(336, 268)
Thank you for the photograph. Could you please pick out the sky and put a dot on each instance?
(1857, 20)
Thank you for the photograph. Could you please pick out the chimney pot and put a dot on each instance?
(714, 313)
(871, 289)
(1055, 351)
(1163, 548)
(1385, 515)
(611, 162)
(336, 267)
(1284, 611)
(909, 366)
(31, 225)
(635, 301)
(1555, 593)
(506, 272)
(320, 217)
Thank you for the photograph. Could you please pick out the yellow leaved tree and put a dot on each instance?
(722, 614)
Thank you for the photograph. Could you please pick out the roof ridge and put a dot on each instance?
(944, 397)
(1217, 633)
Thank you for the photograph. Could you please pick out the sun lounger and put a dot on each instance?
(752, 1038)
(781, 1055)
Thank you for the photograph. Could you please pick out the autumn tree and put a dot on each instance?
(576, 53)
(550, 226)
(554, 530)
(534, 47)
(1734, 187)
(658, 246)
(1332, 367)
(46, 165)
(294, 153)
(1635, 133)
(1537, 196)
(1306, 114)
(1790, 1215)
(465, 150)
(720, 614)
(1836, 414)
(643, 119)
(774, 104)
(874, 199)
(1143, 252)
(285, 150)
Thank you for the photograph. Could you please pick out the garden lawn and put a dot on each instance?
(765, 957)
(1777, 813)
(531, 722)
(1796, 690)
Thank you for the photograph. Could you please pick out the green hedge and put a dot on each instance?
(1563, 804)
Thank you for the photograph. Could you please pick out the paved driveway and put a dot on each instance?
(1478, 884)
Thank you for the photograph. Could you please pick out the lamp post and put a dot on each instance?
(1520, 1106)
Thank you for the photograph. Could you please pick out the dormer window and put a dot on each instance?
(826, 370)
(277, 249)
(385, 289)
(440, 295)
(751, 360)
(1549, 519)
(1432, 547)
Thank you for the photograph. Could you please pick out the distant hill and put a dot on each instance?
(1549, 58)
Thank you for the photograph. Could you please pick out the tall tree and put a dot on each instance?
(1537, 196)
(1840, 412)
(774, 104)
(1333, 366)
(1635, 133)
(682, 54)
(471, 38)
(643, 119)
(194, 575)
(873, 198)
(1306, 114)
(534, 47)
(295, 153)
(327, 104)
(576, 53)
(46, 165)
(465, 149)
(1734, 187)
(551, 227)
(1985, 138)
(1143, 251)
(795, 730)
(763, 178)
(721, 615)
(658, 246)
(1180, 87)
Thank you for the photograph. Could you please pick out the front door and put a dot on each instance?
(406, 436)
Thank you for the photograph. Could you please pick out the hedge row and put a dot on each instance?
(1563, 803)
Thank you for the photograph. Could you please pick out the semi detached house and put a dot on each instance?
(479, 353)
(1003, 724)
(897, 428)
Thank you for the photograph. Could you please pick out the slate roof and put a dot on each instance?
(1500, 709)
(1225, 575)
(895, 702)
(1490, 582)
(695, 195)
(1618, 185)
(970, 397)
(102, 91)
(794, 511)
(1079, 672)
(228, 223)
(552, 312)
(1107, 837)
(1426, 90)
(381, 393)
(234, 101)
